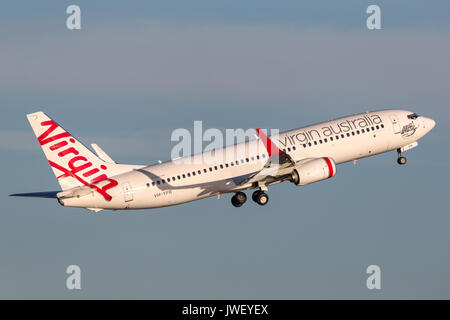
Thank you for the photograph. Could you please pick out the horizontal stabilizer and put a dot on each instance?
(49, 194)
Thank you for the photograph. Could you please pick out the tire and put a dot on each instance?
(241, 197)
(401, 160)
(262, 198)
(235, 202)
(255, 194)
(238, 199)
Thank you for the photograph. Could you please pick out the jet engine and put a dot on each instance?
(313, 170)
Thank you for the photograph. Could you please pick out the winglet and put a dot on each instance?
(270, 146)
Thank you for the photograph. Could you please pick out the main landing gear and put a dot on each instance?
(238, 199)
(400, 160)
(259, 196)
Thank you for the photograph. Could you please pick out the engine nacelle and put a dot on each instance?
(313, 171)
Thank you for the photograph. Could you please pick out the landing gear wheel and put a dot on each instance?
(261, 198)
(401, 160)
(238, 199)
(255, 194)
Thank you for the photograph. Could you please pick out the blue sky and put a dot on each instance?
(137, 71)
(401, 13)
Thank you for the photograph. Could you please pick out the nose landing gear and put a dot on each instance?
(400, 160)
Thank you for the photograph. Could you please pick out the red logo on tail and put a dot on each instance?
(77, 163)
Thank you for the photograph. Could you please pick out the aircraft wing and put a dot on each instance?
(279, 166)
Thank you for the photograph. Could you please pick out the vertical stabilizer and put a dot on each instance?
(72, 163)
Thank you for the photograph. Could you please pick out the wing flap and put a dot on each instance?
(278, 166)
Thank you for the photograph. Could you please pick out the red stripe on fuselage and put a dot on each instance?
(271, 148)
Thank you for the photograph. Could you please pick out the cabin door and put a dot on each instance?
(395, 124)
(127, 192)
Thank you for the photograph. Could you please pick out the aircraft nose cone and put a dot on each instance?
(429, 123)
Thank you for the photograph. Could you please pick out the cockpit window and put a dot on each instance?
(412, 116)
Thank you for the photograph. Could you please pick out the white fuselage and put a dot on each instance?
(196, 177)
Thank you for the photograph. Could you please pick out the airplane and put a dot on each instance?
(301, 156)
